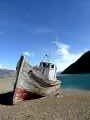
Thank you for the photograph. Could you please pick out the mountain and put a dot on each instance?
(82, 65)
(7, 73)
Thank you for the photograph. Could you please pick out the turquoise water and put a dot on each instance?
(77, 81)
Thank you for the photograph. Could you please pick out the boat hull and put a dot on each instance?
(30, 83)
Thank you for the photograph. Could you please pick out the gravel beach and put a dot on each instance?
(68, 106)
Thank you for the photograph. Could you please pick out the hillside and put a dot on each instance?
(7, 73)
(82, 65)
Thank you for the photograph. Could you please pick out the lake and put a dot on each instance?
(75, 81)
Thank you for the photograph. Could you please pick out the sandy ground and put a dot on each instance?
(67, 106)
(74, 105)
(6, 84)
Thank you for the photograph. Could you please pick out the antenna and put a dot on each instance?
(46, 58)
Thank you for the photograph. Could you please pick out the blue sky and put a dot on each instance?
(60, 28)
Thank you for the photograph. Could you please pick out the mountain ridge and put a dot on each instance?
(7, 73)
(82, 65)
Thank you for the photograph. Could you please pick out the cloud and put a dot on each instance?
(64, 56)
(41, 30)
(1, 66)
(28, 53)
(63, 49)
(7, 66)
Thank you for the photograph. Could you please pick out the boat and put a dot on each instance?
(34, 81)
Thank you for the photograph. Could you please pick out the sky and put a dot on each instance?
(59, 28)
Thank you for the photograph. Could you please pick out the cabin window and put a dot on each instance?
(45, 65)
(52, 66)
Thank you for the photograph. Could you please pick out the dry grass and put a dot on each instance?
(68, 107)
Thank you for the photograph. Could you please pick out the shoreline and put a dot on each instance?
(82, 91)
